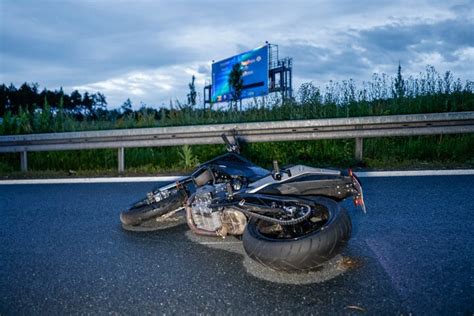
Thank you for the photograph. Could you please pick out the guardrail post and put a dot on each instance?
(121, 160)
(359, 148)
(24, 161)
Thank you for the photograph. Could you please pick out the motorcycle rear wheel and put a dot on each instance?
(144, 216)
(300, 253)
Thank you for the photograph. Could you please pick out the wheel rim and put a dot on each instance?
(320, 218)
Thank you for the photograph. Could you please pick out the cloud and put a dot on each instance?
(336, 63)
(204, 69)
(442, 37)
(148, 50)
(146, 87)
(445, 44)
(415, 45)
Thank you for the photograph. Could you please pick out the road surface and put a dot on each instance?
(63, 251)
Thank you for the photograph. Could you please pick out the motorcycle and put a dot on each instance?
(289, 219)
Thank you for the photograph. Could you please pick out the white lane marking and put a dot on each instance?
(219, 242)
(91, 180)
(412, 173)
(362, 174)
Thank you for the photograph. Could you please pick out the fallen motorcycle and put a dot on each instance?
(289, 219)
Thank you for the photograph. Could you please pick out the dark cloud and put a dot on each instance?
(394, 42)
(204, 69)
(93, 42)
(319, 62)
(364, 50)
(463, 9)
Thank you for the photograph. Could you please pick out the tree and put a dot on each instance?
(236, 83)
(99, 100)
(3, 99)
(126, 107)
(100, 105)
(399, 84)
(26, 94)
(12, 99)
(87, 103)
(65, 99)
(75, 99)
(192, 92)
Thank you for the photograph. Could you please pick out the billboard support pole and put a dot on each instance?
(207, 94)
(290, 71)
(280, 73)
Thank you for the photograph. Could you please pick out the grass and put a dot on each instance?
(453, 151)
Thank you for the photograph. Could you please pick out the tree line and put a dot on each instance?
(29, 98)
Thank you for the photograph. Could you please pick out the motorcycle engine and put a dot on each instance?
(223, 222)
(203, 216)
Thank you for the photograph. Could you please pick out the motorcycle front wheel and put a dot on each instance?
(145, 216)
(303, 247)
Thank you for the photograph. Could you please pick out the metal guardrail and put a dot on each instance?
(355, 127)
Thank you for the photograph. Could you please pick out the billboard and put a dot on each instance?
(254, 64)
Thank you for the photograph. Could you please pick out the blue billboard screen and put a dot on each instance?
(254, 64)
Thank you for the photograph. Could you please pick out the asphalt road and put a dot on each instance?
(62, 251)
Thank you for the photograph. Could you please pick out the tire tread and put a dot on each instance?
(303, 254)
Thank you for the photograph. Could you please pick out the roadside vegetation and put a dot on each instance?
(27, 110)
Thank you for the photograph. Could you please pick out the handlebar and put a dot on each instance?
(235, 148)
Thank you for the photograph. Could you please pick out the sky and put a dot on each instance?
(148, 50)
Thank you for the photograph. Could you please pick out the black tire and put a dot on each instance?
(157, 223)
(141, 216)
(303, 253)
